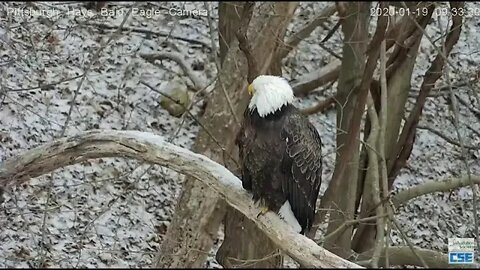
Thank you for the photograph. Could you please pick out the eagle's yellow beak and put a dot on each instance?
(250, 89)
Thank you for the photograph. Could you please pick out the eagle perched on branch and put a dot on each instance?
(280, 153)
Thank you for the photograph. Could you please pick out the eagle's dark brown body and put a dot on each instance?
(281, 160)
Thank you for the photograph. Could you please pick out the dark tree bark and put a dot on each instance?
(199, 211)
(355, 44)
(244, 244)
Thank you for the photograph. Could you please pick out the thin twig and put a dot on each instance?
(150, 33)
(303, 33)
(194, 118)
(179, 59)
(409, 243)
(456, 123)
(219, 68)
(475, 112)
(348, 223)
(94, 59)
(44, 223)
(43, 87)
(446, 138)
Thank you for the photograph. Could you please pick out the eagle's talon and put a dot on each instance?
(263, 211)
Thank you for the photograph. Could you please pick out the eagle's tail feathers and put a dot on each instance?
(287, 215)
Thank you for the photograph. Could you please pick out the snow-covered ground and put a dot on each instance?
(114, 212)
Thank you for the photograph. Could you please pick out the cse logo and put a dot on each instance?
(460, 257)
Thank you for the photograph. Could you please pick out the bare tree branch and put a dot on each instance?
(434, 72)
(93, 60)
(345, 178)
(348, 223)
(243, 41)
(219, 66)
(373, 179)
(305, 32)
(456, 123)
(446, 138)
(151, 148)
(382, 118)
(403, 255)
(306, 83)
(432, 186)
(320, 107)
(418, 256)
(324, 75)
(42, 87)
(149, 32)
(180, 60)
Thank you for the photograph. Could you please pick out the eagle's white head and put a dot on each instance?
(269, 94)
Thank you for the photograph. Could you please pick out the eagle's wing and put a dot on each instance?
(302, 164)
(241, 142)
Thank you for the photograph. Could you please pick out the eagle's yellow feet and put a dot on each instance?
(263, 211)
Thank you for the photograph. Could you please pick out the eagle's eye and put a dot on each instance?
(250, 89)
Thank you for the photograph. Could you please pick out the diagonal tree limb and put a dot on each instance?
(446, 138)
(307, 82)
(151, 148)
(305, 32)
(321, 106)
(243, 41)
(179, 59)
(317, 78)
(399, 85)
(407, 136)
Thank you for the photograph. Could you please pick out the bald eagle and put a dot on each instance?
(280, 153)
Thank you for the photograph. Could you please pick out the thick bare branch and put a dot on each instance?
(352, 93)
(151, 148)
(383, 118)
(403, 255)
(431, 187)
(320, 107)
(373, 179)
(306, 83)
(407, 136)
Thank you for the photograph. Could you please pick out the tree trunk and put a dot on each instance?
(228, 22)
(199, 211)
(244, 244)
(398, 88)
(351, 72)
